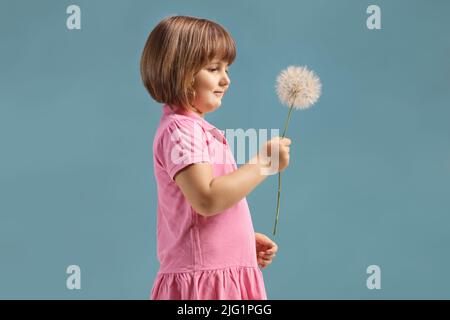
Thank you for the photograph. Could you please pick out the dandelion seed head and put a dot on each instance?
(299, 87)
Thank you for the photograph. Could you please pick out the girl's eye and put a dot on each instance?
(215, 69)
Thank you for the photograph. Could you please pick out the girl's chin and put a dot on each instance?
(213, 105)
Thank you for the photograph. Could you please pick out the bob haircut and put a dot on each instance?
(176, 50)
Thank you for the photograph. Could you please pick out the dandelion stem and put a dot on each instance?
(287, 121)
(279, 173)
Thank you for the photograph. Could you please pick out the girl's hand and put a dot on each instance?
(281, 148)
(266, 250)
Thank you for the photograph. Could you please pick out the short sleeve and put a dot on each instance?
(183, 142)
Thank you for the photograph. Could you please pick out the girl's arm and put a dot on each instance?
(210, 195)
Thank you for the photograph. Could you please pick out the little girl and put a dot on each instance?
(207, 247)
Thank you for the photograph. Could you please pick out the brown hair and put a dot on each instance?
(176, 50)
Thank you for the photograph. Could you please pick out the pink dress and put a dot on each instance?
(200, 258)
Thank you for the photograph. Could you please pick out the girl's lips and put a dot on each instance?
(217, 93)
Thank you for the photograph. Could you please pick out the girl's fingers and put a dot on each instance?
(268, 252)
(272, 249)
(266, 257)
(263, 260)
(265, 264)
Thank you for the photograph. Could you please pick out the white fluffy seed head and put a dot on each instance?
(299, 87)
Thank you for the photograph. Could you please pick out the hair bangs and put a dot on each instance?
(220, 45)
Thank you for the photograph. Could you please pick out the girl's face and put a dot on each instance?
(210, 85)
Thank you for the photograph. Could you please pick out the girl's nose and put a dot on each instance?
(225, 81)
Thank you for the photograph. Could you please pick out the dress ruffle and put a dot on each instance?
(232, 283)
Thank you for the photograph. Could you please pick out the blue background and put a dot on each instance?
(369, 177)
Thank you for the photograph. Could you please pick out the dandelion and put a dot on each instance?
(298, 88)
